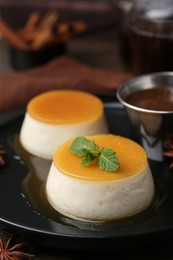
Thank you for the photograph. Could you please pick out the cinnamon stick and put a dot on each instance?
(33, 21)
(12, 37)
(49, 19)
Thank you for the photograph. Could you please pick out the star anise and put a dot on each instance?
(13, 252)
(2, 155)
(169, 146)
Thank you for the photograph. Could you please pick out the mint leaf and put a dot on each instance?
(87, 159)
(81, 146)
(108, 160)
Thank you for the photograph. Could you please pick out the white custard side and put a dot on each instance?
(56, 116)
(99, 201)
(91, 194)
(43, 139)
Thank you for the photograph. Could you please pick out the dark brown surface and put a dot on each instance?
(162, 252)
(61, 73)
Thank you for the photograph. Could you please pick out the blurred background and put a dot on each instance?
(101, 42)
(125, 35)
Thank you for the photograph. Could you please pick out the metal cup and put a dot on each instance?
(151, 128)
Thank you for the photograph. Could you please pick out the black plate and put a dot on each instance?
(152, 226)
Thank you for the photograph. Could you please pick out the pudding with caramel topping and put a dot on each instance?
(91, 194)
(56, 116)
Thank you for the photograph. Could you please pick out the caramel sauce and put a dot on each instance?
(33, 190)
(65, 107)
(159, 99)
(127, 152)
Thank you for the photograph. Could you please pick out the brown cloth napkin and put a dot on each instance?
(18, 88)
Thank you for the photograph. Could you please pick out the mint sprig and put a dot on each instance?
(106, 159)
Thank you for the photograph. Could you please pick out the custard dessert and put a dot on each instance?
(92, 194)
(56, 116)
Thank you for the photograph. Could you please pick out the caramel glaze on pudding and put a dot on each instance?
(56, 116)
(89, 193)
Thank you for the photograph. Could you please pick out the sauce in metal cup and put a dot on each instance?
(151, 126)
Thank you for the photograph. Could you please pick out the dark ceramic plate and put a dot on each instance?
(27, 212)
